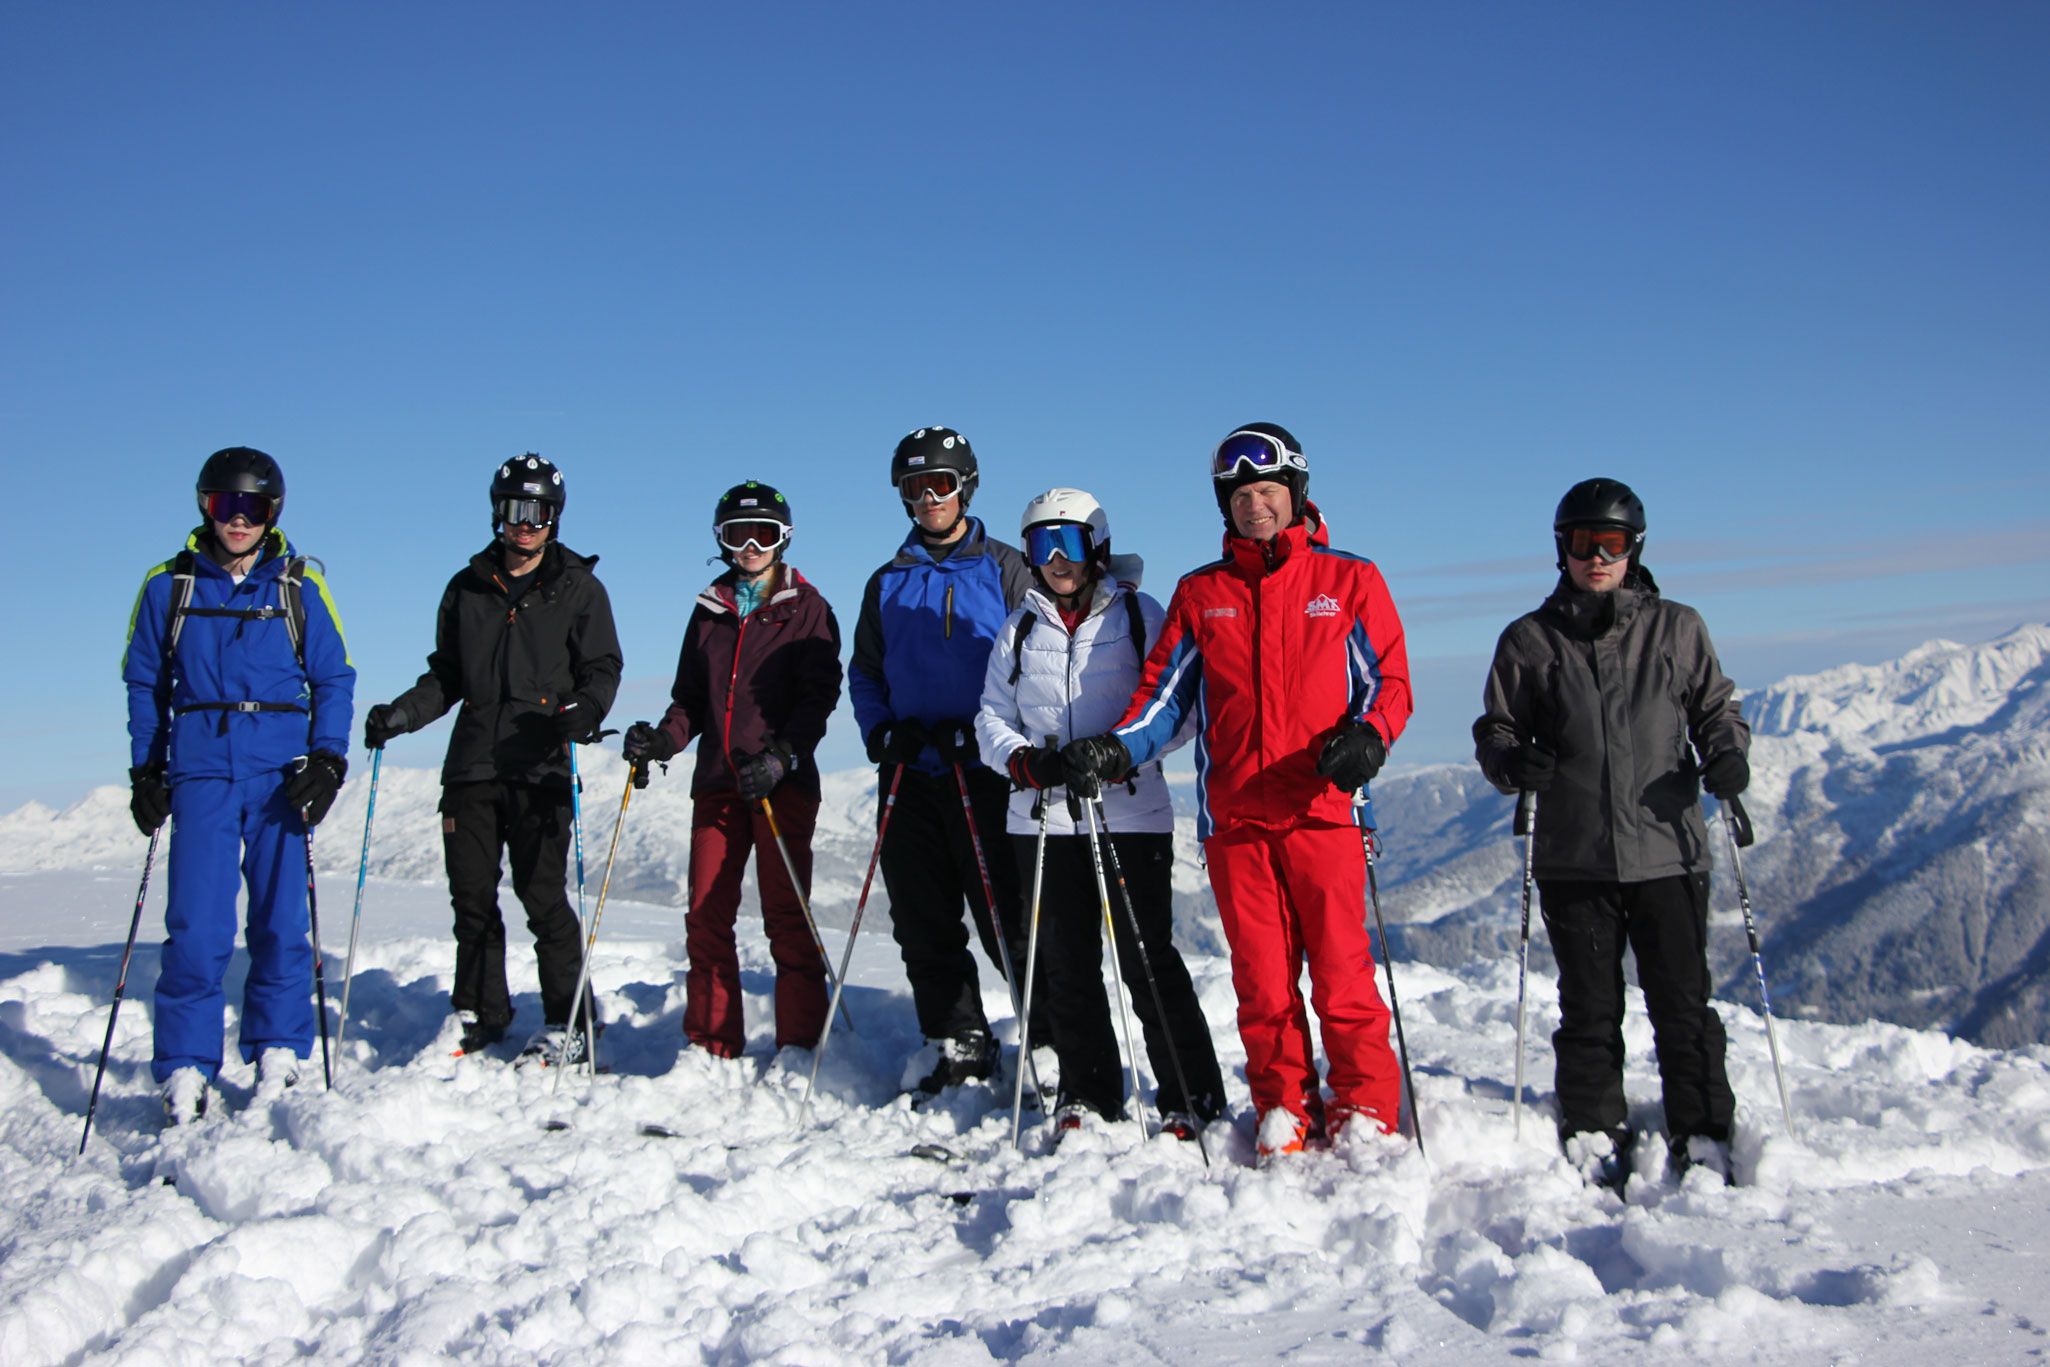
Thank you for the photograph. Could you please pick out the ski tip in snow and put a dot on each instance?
(937, 1153)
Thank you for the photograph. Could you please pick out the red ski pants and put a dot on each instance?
(1286, 896)
(722, 832)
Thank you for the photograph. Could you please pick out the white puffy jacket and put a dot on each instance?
(1071, 686)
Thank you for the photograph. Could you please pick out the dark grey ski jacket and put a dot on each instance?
(511, 659)
(1625, 690)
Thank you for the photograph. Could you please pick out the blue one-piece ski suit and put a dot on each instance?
(227, 763)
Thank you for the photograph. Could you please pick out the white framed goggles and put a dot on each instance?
(938, 485)
(1253, 451)
(751, 533)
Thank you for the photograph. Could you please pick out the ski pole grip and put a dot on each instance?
(1525, 802)
(1740, 821)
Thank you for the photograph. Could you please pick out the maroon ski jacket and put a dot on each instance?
(742, 682)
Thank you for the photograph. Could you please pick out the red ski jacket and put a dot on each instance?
(1274, 647)
(742, 682)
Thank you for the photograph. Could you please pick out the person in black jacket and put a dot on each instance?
(1608, 703)
(524, 643)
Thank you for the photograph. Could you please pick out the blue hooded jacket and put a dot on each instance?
(235, 659)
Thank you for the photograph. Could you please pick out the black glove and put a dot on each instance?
(1353, 756)
(896, 742)
(1530, 769)
(1093, 761)
(1033, 766)
(149, 798)
(647, 743)
(575, 721)
(382, 722)
(1726, 775)
(315, 780)
(757, 775)
(955, 740)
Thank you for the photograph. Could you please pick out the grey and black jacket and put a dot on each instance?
(511, 654)
(1625, 690)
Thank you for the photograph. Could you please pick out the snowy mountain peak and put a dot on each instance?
(1937, 687)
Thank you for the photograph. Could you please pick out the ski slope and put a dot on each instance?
(422, 1212)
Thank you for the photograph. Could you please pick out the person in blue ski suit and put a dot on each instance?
(929, 619)
(238, 721)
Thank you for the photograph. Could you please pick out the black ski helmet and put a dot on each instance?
(935, 448)
(1598, 502)
(1293, 470)
(528, 476)
(241, 470)
(752, 501)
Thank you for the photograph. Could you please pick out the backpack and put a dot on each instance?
(1025, 623)
(291, 594)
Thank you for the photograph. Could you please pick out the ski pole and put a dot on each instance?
(576, 826)
(1416, 1117)
(1031, 970)
(120, 987)
(804, 905)
(1174, 1053)
(847, 958)
(580, 1001)
(327, 1071)
(1737, 825)
(1526, 826)
(356, 921)
(996, 924)
(1116, 965)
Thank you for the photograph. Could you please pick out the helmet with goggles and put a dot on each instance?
(240, 481)
(934, 463)
(751, 515)
(1258, 452)
(1599, 519)
(1068, 523)
(528, 488)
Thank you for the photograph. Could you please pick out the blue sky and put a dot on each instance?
(1782, 267)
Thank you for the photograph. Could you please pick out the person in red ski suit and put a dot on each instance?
(758, 675)
(1292, 655)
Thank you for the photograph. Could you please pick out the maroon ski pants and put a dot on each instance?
(723, 829)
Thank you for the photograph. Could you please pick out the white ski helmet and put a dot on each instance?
(1069, 505)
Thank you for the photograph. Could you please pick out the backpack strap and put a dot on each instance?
(1018, 643)
(1138, 621)
(182, 580)
(292, 593)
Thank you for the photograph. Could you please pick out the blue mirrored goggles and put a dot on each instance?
(1069, 540)
(1254, 450)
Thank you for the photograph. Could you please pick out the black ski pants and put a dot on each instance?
(531, 822)
(1070, 981)
(935, 888)
(1665, 922)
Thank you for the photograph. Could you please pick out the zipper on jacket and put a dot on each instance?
(947, 617)
(732, 684)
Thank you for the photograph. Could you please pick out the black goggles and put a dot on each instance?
(526, 512)
(1606, 544)
(761, 534)
(229, 504)
(1253, 450)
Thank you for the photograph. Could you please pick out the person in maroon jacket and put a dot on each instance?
(758, 676)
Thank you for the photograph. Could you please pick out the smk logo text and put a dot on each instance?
(1323, 605)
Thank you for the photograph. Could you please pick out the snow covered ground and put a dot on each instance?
(421, 1211)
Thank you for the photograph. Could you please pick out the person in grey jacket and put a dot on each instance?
(1064, 665)
(1608, 703)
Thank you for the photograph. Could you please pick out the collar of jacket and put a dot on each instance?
(272, 552)
(556, 560)
(719, 595)
(970, 546)
(1250, 557)
(1590, 616)
(1101, 596)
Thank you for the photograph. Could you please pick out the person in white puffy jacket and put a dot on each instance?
(1065, 665)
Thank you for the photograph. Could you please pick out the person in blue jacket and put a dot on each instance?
(929, 619)
(239, 697)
